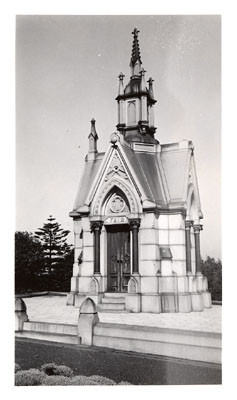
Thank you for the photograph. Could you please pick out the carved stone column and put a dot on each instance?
(197, 228)
(188, 225)
(96, 229)
(134, 224)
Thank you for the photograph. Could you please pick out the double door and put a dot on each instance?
(118, 258)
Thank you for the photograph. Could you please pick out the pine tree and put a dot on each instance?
(53, 239)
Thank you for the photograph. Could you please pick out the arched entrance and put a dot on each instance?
(118, 257)
(117, 208)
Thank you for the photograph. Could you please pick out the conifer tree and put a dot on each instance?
(53, 239)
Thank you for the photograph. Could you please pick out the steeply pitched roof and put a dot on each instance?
(147, 172)
(87, 179)
(162, 176)
(176, 163)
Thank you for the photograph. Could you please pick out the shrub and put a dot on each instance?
(101, 380)
(31, 377)
(54, 369)
(81, 380)
(17, 367)
(56, 380)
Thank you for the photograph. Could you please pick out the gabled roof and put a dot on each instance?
(161, 177)
(175, 161)
(148, 174)
(87, 179)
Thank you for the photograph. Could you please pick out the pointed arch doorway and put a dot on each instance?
(118, 257)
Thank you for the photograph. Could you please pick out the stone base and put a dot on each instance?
(207, 299)
(151, 303)
(133, 302)
(184, 303)
(169, 302)
(200, 282)
(197, 302)
(96, 297)
(166, 303)
(80, 297)
(70, 299)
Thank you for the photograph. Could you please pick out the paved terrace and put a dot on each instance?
(53, 309)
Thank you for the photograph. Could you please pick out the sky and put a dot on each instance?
(67, 71)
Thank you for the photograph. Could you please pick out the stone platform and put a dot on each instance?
(53, 309)
(191, 336)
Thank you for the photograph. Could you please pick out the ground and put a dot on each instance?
(138, 369)
(135, 368)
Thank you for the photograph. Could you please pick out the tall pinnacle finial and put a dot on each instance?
(93, 132)
(135, 48)
(93, 137)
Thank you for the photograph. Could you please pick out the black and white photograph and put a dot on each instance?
(118, 231)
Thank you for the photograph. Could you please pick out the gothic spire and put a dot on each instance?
(93, 132)
(93, 137)
(136, 57)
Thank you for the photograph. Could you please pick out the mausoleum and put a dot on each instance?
(137, 214)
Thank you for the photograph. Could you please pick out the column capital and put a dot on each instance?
(134, 223)
(197, 228)
(96, 226)
(188, 224)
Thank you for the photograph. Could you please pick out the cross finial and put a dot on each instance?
(93, 130)
(135, 32)
(121, 76)
(135, 48)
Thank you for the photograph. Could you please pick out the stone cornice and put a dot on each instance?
(136, 94)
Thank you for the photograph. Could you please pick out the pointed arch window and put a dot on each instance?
(132, 112)
(116, 203)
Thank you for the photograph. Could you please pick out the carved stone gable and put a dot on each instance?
(116, 168)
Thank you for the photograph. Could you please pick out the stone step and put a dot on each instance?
(112, 311)
(115, 300)
(188, 345)
(197, 353)
(113, 306)
(114, 294)
(154, 334)
(49, 337)
(51, 328)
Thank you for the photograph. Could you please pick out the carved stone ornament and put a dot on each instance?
(116, 168)
(117, 204)
(106, 190)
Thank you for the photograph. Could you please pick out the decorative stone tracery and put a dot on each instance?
(94, 285)
(133, 285)
(117, 204)
(106, 189)
(116, 168)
